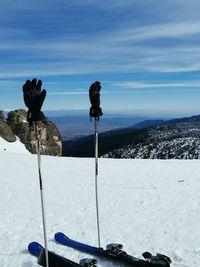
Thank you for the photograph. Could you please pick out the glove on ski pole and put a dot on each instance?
(96, 112)
(94, 94)
(33, 99)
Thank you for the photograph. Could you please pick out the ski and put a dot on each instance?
(56, 260)
(115, 252)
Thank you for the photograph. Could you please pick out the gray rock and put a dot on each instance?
(1, 115)
(5, 130)
(51, 143)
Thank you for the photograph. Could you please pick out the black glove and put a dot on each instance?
(33, 99)
(94, 94)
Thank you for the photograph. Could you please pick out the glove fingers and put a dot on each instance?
(41, 99)
(26, 86)
(97, 85)
(34, 97)
(44, 92)
(39, 86)
(33, 84)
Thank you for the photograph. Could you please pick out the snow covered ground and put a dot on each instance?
(17, 146)
(147, 205)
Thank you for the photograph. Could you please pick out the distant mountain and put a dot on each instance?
(147, 123)
(177, 138)
(186, 119)
(109, 140)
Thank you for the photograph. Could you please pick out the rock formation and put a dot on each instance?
(5, 131)
(17, 125)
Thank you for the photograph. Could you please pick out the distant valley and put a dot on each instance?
(76, 127)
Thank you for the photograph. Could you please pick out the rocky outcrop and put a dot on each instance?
(51, 143)
(49, 137)
(17, 122)
(5, 131)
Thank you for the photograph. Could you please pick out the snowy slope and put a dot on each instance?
(148, 205)
(16, 146)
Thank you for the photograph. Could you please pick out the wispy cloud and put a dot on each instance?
(161, 30)
(138, 85)
(121, 53)
(29, 47)
(68, 93)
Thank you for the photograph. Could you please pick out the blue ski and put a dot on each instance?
(115, 252)
(56, 260)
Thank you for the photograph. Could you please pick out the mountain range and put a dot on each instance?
(156, 139)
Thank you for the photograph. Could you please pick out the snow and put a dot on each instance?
(147, 205)
(16, 146)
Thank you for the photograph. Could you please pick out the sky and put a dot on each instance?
(146, 54)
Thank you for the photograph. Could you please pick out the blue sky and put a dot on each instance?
(145, 53)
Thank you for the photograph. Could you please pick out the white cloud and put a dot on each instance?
(120, 50)
(138, 85)
(161, 30)
(75, 92)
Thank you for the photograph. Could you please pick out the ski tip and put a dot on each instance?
(60, 236)
(34, 249)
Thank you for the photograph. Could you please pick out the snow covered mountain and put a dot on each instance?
(177, 139)
(154, 204)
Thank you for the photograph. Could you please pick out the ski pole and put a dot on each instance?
(96, 112)
(96, 180)
(37, 134)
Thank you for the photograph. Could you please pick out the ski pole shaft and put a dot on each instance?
(41, 191)
(96, 179)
